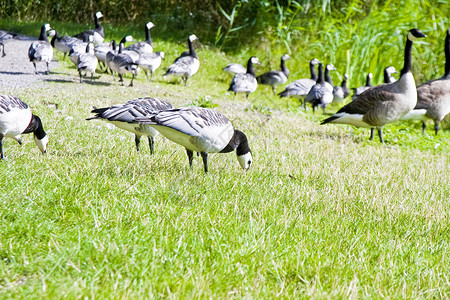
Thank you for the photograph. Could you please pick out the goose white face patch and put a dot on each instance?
(42, 144)
(245, 160)
(99, 15)
(150, 25)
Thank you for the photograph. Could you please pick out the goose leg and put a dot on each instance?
(121, 78)
(185, 81)
(48, 69)
(81, 80)
(3, 50)
(190, 155)
(380, 135)
(205, 161)
(151, 74)
(151, 142)
(423, 127)
(35, 69)
(372, 132)
(1, 147)
(137, 141)
(146, 74)
(436, 127)
(273, 90)
(132, 78)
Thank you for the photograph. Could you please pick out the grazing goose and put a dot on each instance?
(144, 46)
(300, 88)
(41, 50)
(235, 68)
(121, 63)
(433, 97)
(201, 130)
(341, 92)
(359, 90)
(388, 71)
(150, 62)
(87, 62)
(187, 65)
(64, 43)
(98, 33)
(274, 78)
(101, 50)
(245, 83)
(385, 103)
(6, 36)
(16, 119)
(321, 93)
(123, 115)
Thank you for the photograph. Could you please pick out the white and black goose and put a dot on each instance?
(144, 46)
(387, 74)
(6, 36)
(41, 50)
(341, 92)
(245, 83)
(201, 130)
(16, 119)
(87, 62)
(64, 43)
(235, 68)
(78, 49)
(98, 33)
(123, 115)
(186, 65)
(274, 78)
(385, 103)
(122, 63)
(359, 90)
(101, 50)
(115, 50)
(150, 62)
(300, 87)
(433, 97)
(321, 94)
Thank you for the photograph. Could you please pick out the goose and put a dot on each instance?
(122, 116)
(300, 87)
(16, 119)
(122, 63)
(341, 92)
(245, 83)
(235, 68)
(185, 66)
(359, 90)
(321, 93)
(144, 46)
(387, 74)
(101, 50)
(78, 49)
(6, 36)
(201, 130)
(87, 62)
(274, 78)
(433, 97)
(41, 50)
(98, 33)
(385, 103)
(64, 43)
(150, 62)
(110, 54)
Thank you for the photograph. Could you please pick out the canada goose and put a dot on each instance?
(122, 116)
(144, 46)
(201, 130)
(101, 50)
(121, 64)
(64, 43)
(358, 91)
(245, 83)
(321, 93)
(41, 50)
(433, 97)
(98, 33)
(341, 92)
(385, 103)
(274, 78)
(150, 62)
(79, 48)
(387, 74)
(185, 66)
(87, 62)
(235, 68)
(16, 119)
(6, 36)
(300, 87)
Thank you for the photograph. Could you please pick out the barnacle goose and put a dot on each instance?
(150, 62)
(41, 50)
(144, 46)
(87, 62)
(6, 36)
(245, 83)
(321, 93)
(235, 68)
(97, 33)
(274, 78)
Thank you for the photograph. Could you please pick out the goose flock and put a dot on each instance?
(204, 130)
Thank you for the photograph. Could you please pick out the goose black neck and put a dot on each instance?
(191, 49)
(43, 35)
(239, 142)
(320, 78)
(148, 38)
(120, 47)
(344, 83)
(55, 37)
(387, 77)
(327, 76)
(447, 54)
(407, 64)
(250, 69)
(313, 71)
(36, 127)
(113, 45)
(284, 69)
(368, 80)
(97, 23)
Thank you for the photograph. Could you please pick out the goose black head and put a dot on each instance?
(414, 34)
(243, 152)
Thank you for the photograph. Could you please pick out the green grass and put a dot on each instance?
(322, 213)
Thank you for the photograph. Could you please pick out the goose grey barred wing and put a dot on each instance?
(300, 87)
(181, 65)
(8, 103)
(319, 92)
(243, 83)
(151, 104)
(271, 77)
(121, 112)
